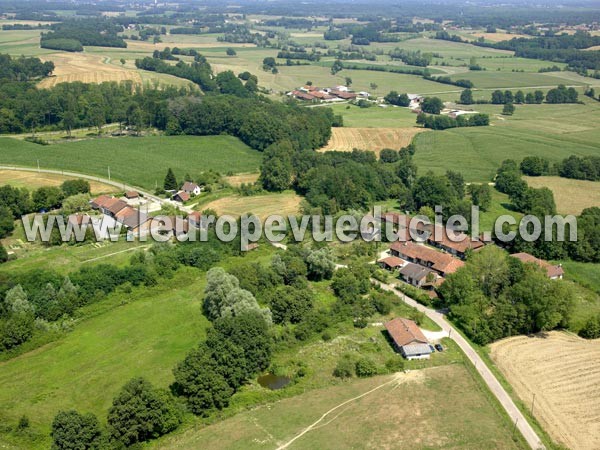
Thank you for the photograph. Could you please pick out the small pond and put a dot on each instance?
(273, 382)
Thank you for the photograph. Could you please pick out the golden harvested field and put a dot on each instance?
(34, 180)
(238, 180)
(86, 67)
(286, 203)
(374, 139)
(571, 196)
(563, 371)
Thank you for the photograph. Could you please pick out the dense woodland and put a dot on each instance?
(231, 106)
(495, 295)
(71, 35)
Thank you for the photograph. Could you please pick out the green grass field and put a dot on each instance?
(426, 402)
(145, 334)
(375, 117)
(551, 131)
(139, 161)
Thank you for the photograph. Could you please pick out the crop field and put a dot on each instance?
(141, 161)
(550, 131)
(285, 203)
(86, 68)
(374, 139)
(367, 414)
(571, 196)
(563, 372)
(34, 180)
(375, 117)
(506, 79)
(146, 335)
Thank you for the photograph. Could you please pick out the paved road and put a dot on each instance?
(117, 184)
(492, 382)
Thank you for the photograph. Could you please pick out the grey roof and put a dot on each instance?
(415, 271)
(416, 349)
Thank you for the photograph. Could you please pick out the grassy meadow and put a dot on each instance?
(550, 131)
(144, 334)
(369, 421)
(141, 161)
(571, 196)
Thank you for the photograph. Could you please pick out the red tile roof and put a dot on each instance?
(188, 187)
(458, 242)
(132, 194)
(183, 196)
(405, 332)
(552, 270)
(115, 205)
(441, 262)
(392, 261)
(100, 202)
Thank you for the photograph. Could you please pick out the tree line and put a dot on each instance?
(540, 203)
(39, 302)
(233, 110)
(439, 122)
(558, 48)
(72, 35)
(23, 68)
(495, 295)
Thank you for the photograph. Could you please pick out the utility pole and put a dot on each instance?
(515, 428)
(108, 173)
(38, 164)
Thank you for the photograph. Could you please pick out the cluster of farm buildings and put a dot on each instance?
(132, 212)
(422, 257)
(334, 94)
(425, 262)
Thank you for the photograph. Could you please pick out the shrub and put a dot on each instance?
(344, 368)
(394, 365)
(365, 367)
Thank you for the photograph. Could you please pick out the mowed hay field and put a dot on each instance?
(374, 139)
(441, 407)
(553, 132)
(563, 371)
(34, 180)
(571, 196)
(140, 161)
(285, 203)
(87, 68)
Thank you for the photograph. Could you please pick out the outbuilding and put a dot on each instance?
(408, 338)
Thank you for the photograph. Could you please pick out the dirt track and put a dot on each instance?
(375, 139)
(563, 371)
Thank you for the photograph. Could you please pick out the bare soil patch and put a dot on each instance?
(374, 139)
(563, 371)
